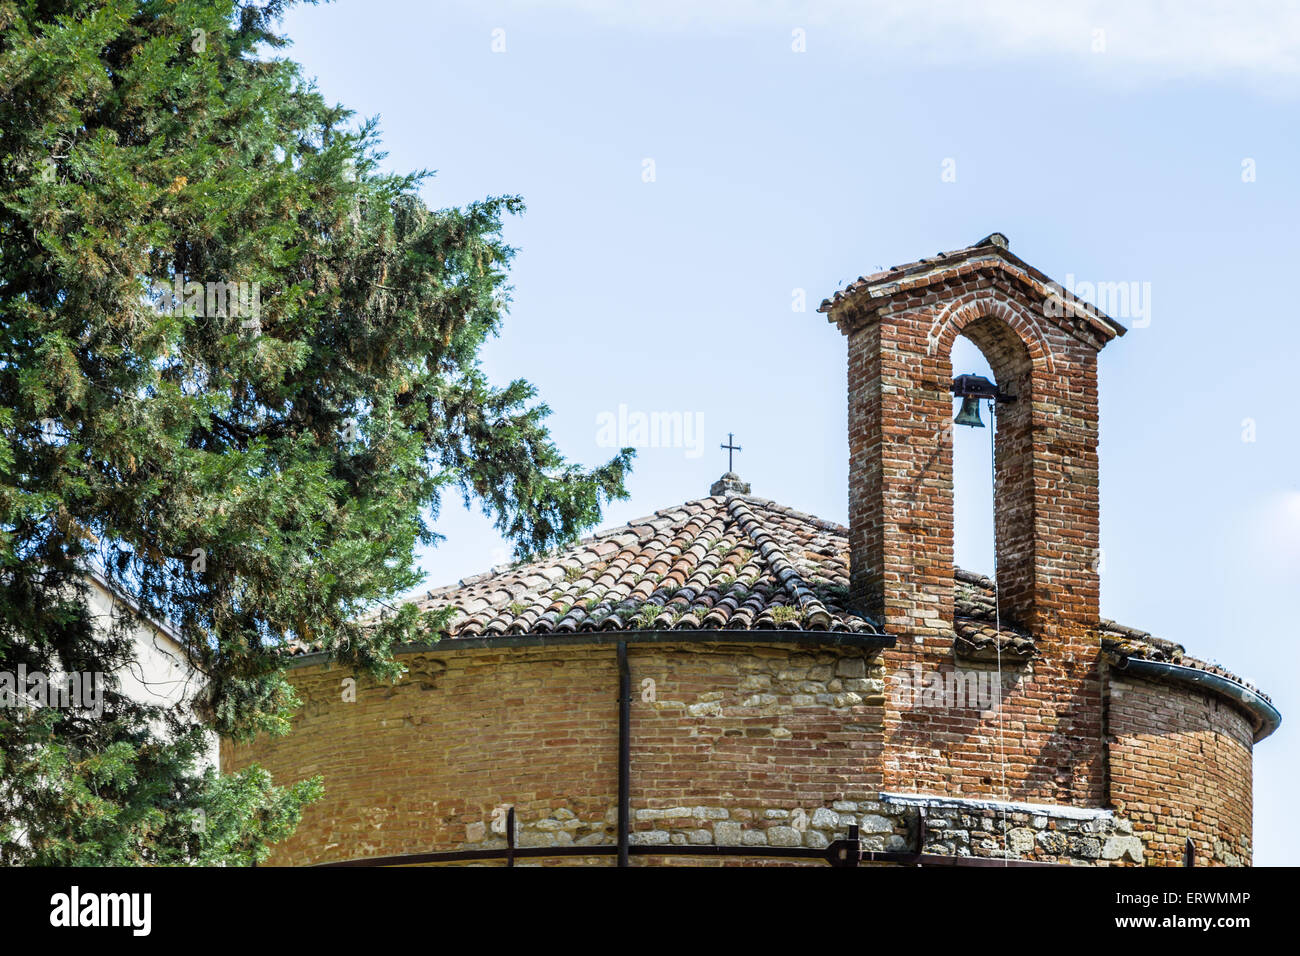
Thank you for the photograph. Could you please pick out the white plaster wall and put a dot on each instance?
(161, 674)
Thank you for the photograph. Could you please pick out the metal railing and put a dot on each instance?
(840, 853)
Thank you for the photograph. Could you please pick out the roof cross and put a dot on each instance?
(731, 448)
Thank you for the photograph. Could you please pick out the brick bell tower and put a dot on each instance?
(1042, 346)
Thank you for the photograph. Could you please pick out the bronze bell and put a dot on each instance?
(970, 412)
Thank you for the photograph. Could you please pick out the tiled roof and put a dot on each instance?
(980, 633)
(722, 562)
(734, 562)
(727, 562)
(1120, 642)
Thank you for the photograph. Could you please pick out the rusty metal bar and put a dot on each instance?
(837, 854)
(543, 852)
(841, 853)
(470, 856)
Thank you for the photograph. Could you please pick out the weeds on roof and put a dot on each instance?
(785, 613)
(646, 618)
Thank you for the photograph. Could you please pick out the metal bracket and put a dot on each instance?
(846, 852)
(510, 837)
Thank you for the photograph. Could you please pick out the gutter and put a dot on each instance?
(598, 638)
(1262, 714)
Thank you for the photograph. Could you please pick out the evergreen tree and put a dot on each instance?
(238, 373)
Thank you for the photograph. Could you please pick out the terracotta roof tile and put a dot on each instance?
(721, 563)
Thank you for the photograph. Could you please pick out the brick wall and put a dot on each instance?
(1046, 736)
(735, 737)
(1180, 766)
(749, 745)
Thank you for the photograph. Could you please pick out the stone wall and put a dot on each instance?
(953, 827)
(1020, 831)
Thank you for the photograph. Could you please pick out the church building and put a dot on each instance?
(732, 681)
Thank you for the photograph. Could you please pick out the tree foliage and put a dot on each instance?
(255, 459)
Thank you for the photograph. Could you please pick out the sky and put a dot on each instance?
(700, 174)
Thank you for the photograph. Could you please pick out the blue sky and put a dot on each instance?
(1160, 151)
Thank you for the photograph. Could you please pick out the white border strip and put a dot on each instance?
(965, 803)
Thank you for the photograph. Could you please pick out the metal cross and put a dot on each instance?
(731, 449)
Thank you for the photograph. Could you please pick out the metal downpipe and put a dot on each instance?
(624, 753)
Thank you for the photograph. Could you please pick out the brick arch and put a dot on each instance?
(900, 467)
(975, 308)
(1005, 333)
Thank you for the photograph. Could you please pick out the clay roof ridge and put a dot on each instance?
(814, 612)
(972, 577)
(582, 550)
(821, 524)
